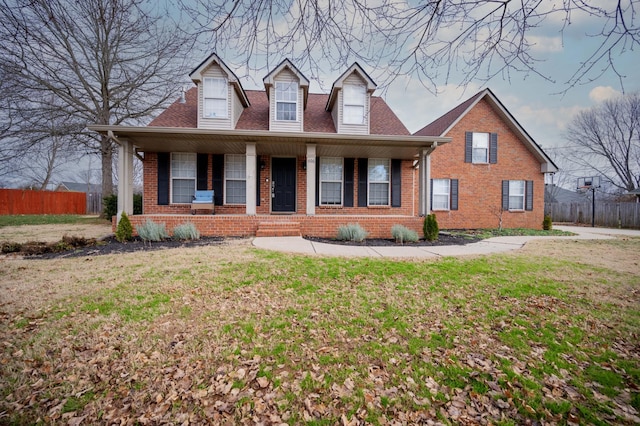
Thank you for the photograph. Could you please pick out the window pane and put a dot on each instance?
(183, 165)
(287, 91)
(516, 195)
(440, 202)
(183, 190)
(331, 193)
(236, 192)
(286, 111)
(354, 94)
(215, 108)
(331, 169)
(235, 167)
(353, 114)
(379, 194)
(480, 148)
(215, 97)
(378, 170)
(440, 194)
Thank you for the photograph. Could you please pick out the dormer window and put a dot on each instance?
(354, 97)
(286, 101)
(215, 92)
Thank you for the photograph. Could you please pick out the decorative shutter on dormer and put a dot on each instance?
(493, 148)
(468, 147)
(528, 198)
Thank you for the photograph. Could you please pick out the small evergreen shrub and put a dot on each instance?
(430, 228)
(547, 223)
(110, 205)
(151, 231)
(351, 232)
(124, 231)
(402, 234)
(186, 231)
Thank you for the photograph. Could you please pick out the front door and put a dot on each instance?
(283, 185)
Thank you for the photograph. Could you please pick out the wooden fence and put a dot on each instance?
(611, 215)
(19, 201)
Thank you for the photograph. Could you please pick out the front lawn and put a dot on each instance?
(48, 219)
(233, 334)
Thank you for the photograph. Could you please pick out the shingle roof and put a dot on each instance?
(256, 117)
(440, 125)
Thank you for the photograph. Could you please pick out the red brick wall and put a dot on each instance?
(480, 185)
(241, 225)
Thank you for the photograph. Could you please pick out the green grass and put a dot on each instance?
(512, 232)
(18, 220)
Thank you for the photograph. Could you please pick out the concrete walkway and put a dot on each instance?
(488, 246)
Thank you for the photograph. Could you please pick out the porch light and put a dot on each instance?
(304, 165)
(262, 165)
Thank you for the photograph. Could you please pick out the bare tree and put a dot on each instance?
(607, 141)
(101, 61)
(431, 40)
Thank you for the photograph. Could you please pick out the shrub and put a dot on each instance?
(351, 232)
(11, 247)
(430, 227)
(403, 234)
(124, 231)
(186, 231)
(110, 205)
(546, 223)
(151, 231)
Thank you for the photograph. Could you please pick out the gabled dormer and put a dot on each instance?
(221, 98)
(287, 90)
(350, 101)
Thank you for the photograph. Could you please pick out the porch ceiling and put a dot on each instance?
(165, 139)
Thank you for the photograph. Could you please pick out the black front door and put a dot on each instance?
(283, 185)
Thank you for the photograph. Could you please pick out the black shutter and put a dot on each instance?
(454, 194)
(468, 147)
(505, 195)
(528, 198)
(363, 172)
(493, 148)
(317, 181)
(163, 178)
(202, 166)
(396, 183)
(430, 195)
(258, 180)
(218, 179)
(348, 181)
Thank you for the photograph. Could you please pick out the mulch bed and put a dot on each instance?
(444, 239)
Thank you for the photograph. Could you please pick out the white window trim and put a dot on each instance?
(388, 182)
(228, 179)
(172, 177)
(473, 147)
(523, 196)
(346, 104)
(275, 88)
(448, 194)
(204, 98)
(341, 181)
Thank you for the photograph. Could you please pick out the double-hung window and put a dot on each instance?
(441, 194)
(516, 194)
(379, 181)
(480, 147)
(235, 179)
(331, 179)
(183, 177)
(215, 92)
(354, 97)
(287, 101)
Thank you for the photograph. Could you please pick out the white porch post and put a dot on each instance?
(251, 178)
(311, 179)
(424, 184)
(125, 178)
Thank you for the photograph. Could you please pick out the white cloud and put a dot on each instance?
(545, 44)
(603, 93)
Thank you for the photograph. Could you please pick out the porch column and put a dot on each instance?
(424, 184)
(311, 179)
(251, 178)
(125, 177)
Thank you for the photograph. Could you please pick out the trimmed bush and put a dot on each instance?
(186, 231)
(430, 228)
(547, 224)
(403, 234)
(151, 231)
(351, 232)
(110, 205)
(124, 231)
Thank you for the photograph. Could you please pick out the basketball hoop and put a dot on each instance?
(590, 183)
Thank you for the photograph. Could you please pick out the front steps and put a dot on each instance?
(278, 229)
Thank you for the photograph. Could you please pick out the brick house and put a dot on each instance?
(281, 161)
(491, 172)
